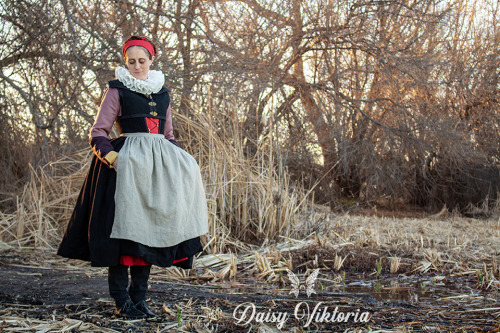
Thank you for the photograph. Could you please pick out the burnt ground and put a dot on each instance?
(35, 298)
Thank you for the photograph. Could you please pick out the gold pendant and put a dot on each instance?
(152, 103)
(153, 113)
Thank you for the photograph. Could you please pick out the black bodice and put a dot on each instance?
(136, 107)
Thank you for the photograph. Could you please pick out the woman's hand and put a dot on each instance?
(111, 158)
(115, 163)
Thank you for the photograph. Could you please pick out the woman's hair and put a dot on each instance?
(143, 38)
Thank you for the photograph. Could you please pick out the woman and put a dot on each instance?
(143, 201)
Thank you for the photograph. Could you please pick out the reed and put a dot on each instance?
(44, 203)
(249, 199)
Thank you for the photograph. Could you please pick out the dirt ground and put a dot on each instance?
(42, 293)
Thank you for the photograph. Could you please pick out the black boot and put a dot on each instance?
(139, 284)
(118, 282)
(143, 307)
(129, 311)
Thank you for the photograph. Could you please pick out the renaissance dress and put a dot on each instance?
(150, 210)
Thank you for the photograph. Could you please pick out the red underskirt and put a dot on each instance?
(132, 261)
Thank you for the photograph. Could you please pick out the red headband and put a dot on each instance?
(144, 43)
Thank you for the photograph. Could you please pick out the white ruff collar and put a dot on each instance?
(152, 85)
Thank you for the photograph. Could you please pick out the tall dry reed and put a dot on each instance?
(249, 199)
(45, 203)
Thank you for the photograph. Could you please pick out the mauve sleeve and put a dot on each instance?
(169, 129)
(108, 111)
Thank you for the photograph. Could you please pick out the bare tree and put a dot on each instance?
(365, 99)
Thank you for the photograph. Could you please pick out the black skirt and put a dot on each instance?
(87, 234)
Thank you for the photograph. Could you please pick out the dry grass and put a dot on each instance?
(248, 200)
(446, 248)
(453, 244)
(45, 203)
(251, 202)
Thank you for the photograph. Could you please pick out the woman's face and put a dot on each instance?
(138, 63)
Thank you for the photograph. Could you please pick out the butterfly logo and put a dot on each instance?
(309, 282)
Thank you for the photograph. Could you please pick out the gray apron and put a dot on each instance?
(159, 199)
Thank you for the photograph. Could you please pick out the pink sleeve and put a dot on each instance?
(169, 130)
(108, 111)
